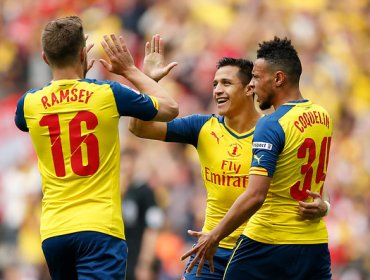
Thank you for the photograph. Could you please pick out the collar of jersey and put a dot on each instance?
(65, 81)
(236, 134)
(296, 102)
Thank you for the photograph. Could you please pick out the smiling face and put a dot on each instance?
(228, 91)
(262, 83)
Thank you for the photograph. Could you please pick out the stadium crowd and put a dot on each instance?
(333, 39)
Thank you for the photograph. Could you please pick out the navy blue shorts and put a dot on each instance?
(254, 260)
(85, 255)
(220, 261)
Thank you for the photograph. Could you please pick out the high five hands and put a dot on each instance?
(153, 65)
(119, 55)
(91, 62)
(120, 58)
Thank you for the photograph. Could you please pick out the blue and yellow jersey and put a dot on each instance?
(73, 125)
(225, 158)
(292, 146)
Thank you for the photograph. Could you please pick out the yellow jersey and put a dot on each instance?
(292, 146)
(225, 158)
(73, 125)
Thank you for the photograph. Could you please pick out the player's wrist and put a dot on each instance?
(130, 72)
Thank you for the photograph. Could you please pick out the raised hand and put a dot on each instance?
(120, 57)
(312, 210)
(204, 250)
(91, 62)
(153, 65)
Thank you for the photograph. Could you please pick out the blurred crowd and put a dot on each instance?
(333, 40)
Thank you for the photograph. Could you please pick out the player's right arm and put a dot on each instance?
(180, 130)
(153, 65)
(154, 68)
(121, 63)
(149, 130)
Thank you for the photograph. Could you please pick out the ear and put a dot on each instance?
(82, 55)
(248, 90)
(45, 58)
(280, 78)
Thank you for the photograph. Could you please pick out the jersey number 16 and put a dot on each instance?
(76, 139)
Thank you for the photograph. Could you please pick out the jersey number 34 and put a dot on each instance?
(309, 147)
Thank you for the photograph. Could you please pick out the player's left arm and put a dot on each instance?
(317, 208)
(242, 209)
(19, 118)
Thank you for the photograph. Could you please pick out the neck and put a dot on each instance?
(243, 121)
(68, 73)
(285, 96)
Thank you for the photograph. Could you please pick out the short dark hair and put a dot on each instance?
(281, 55)
(245, 67)
(62, 39)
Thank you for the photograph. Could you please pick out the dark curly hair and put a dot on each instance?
(281, 55)
(245, 67)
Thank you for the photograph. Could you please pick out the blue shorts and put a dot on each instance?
(85, 255)
(254, 260)
(220, 261)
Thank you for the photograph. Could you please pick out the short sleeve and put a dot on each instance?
(133, 103)
(268, 142)
(19, 119)
(186, 129)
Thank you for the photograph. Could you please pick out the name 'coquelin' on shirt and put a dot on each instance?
(310, 118)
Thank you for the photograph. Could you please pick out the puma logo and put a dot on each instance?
(217, 138)
(258, 158)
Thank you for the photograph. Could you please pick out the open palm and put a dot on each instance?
(153, 65)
